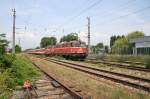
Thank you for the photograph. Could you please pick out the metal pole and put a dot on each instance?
(63, 31)
(13, 43)
(88, 18)
(19, 41)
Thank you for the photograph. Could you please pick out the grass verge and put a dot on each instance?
(131, 58)
(99, 89)
(20, 70)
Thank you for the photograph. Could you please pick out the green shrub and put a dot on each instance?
(7, 83)
(18, 70)
(148, 65)
(6, 61)
(23, 69)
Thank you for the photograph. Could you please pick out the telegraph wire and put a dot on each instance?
(119, 7)
(81, 12)
(122, 16)
(128, 2)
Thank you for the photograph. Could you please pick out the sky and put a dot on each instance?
(39, 18)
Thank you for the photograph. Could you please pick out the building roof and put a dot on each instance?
(140, 39)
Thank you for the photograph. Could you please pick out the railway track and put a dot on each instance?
(47, 88)
(68, 86)
(128, 62)
(127, 66)
(132, 81)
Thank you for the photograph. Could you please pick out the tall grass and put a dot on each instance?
(20, 69)
(132, 58)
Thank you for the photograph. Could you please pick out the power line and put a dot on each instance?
(141, 24)
(83, 11)
(119, 7)
(86, 9)
(138, 11)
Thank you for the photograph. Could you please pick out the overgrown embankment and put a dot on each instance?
(131, 58)
(13, 72)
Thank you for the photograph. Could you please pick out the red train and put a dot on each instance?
(69, 50)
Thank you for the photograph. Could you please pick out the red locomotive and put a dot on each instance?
(69, 50)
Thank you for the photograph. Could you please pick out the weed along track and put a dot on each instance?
(132, 81)
(45, 88)
(67, 89)
(120, 65)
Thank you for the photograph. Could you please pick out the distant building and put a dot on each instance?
(141, 45)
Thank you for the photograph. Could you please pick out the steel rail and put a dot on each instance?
(84, 69)
(129, 62)
(110, 72)
(69, 88)
(124, 66)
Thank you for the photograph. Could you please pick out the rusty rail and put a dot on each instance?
(71, 89)
(127, 66)
(84, 69)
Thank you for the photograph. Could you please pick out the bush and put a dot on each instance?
(23, 69)
(16, 71)
(148, 63)
(7, 83)
(6, 61)
(122, 58)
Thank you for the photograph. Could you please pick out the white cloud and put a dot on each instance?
(83, 36)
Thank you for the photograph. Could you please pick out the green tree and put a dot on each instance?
(37, 47)
(18, 49)
(46, 41)
(100, 45)
(69, 37)
(3, 43)
(121, 46)
(114, 38)
(135, 34)
(93, 49)
(132, 35)
(106, 49)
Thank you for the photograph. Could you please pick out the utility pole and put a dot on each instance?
(88, 18)
(63, 31)
(19, 41)
(13, 43)
(78, 35)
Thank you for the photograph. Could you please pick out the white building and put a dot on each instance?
(141, 45)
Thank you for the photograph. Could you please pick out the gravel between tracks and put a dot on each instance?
(100, 89)
(114, 69)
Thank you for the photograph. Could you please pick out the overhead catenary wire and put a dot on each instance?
(121, 7)
(122, 16)
(137, 25)
(118, 8)
(81, 12)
